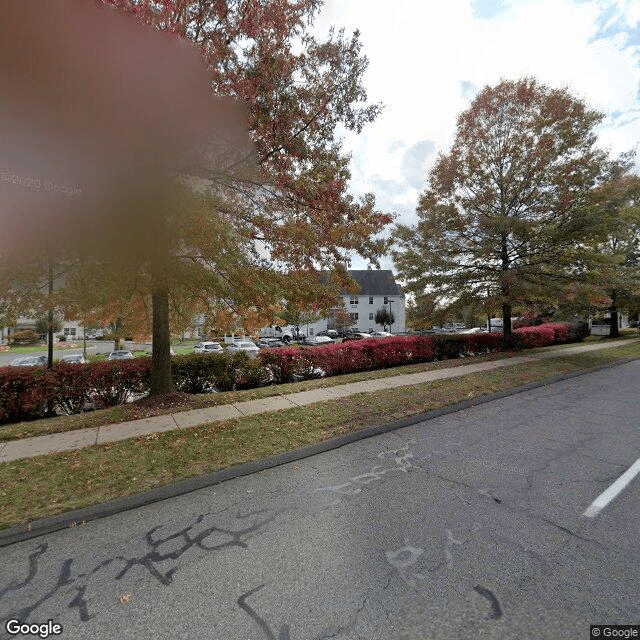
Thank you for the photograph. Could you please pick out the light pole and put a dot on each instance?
(84, 339)
(390, 317)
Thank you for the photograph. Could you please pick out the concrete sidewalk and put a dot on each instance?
(69, 440)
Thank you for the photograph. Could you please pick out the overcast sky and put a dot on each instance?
(429, 58)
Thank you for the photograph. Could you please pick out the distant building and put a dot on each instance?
(378, 289)
(71, 329)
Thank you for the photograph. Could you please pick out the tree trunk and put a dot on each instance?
(613, 311)
(161, 382)
(507, 336)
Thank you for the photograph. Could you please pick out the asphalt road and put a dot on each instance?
(466, 526)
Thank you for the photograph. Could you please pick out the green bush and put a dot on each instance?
(248, 372)
(24, 337)
(198, 372)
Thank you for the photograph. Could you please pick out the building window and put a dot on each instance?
(199, 332)
(370, 299)
(354, 316)
(371, 316)
(353, 300)
(386, 300)
(69, 331)
(311, 331)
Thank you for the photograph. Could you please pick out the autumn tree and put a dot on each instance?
(42, 325)
(384, 317)
(615, 265)
(506, 209)
(298, 218)
(339, 319)
(426, 310)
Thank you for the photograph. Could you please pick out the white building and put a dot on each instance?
(378, 289)
(71, 329)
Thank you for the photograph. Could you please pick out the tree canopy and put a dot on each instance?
(384, 317)
(507, 209)
(232, 248)
(614, 271)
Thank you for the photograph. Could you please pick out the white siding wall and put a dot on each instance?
(367, 307)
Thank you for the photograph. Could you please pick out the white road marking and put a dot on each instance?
(607, 496)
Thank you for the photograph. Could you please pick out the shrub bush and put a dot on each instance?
(545, 335)
(286, 363)
(24, 337)
(23, 395)
(71, 385)
(198, 372)
(247, 372)
(26, 392)
(113, 383)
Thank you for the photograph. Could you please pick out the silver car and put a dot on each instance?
(208, 347)
(73, 358)
(120, 355)
(30, 361)
(244, 345)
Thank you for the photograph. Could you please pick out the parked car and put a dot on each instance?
(73, 358)
(30, 361)
(208, 347)
(474, 330)
(121, 354)
(270, 343)
(244, 345)
(331, 333)
(356, 336)
(317, 340)
(381, 334)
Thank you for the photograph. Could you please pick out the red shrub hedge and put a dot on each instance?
(26, 392)
(544, 335)
(23, 396)
(112, 383)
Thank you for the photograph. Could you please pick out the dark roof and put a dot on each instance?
(376, 282)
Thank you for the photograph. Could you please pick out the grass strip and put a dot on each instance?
(46, 485)
(137, 410)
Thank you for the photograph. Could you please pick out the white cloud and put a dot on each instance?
(428, 60)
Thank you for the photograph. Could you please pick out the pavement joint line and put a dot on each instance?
(609, 494)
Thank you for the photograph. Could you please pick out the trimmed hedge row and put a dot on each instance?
(27, 393)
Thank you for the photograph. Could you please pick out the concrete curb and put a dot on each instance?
(78, 517)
